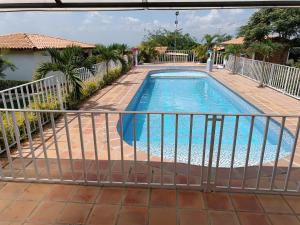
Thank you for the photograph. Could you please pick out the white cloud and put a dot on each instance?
(128, 27)
(131, 20)
(216, 21)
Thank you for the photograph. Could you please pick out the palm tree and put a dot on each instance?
(209, 41)
(4, 65)
(234, 50)
(107, 54)
(265, 49)
(67, 61)
(125, 52)
(123, 49)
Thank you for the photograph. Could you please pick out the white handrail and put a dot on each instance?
(184, 56)
(279, 77)
(209, 173)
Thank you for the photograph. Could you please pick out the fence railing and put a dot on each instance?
(41, 91)
(45, 93)
(190, 150)
(279, 77)
(183, 56)
(99, 71)
(218, 58)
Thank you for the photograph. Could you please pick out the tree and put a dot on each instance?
(147, 53)
(124, 52)
(223, 37)
(281, 23)
(234, 50)
(123, 49)
(67, 61)
(209, 41)
(265, 49)
(200, 52)
(4, 65)
(163, 37)
(107, 54)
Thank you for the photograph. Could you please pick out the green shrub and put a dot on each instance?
(112, 76)
(71, 102)
(9, 126)
(89, 88)
(101, 84)
(127, 67)
(51, 103)
(297, 64)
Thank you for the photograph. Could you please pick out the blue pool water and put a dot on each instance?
(190, 91)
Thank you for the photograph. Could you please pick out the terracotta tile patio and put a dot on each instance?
(115, 98)
(138, 206)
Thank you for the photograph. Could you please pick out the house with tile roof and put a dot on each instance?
(280, 56)
(27, 51)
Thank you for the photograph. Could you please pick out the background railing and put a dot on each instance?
(99, 71)
(184, 56)
(279, 77)
(82, 148)
(47, 93)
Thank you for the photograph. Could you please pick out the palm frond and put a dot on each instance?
(76, 82)
(55, 55)
(45, 68)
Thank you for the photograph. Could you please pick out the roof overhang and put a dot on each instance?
(75, 5)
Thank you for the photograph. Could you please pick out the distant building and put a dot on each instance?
(27, 51)
(234, 41)
(222, 46)
(161, 50)
(280, 56)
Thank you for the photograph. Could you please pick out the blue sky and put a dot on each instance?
(125, 27)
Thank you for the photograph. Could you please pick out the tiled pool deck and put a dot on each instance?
(79, 204)
(116, 98)
(37, 204)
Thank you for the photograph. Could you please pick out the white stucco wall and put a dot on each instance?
(26, 63)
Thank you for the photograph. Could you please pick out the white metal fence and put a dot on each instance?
(89, 147)
(41, 91)
(47, 92)
(279, 77)
(52, 154)
(184, 56)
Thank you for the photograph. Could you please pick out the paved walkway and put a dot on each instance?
(37, 204)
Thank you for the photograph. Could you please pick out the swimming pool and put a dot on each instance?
(193, 91)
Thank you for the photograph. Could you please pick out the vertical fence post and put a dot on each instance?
(211, 152)
(243, 66)
(59, 94)
(271, 74)
(286, 80)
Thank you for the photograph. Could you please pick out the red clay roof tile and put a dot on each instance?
(37, 41)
